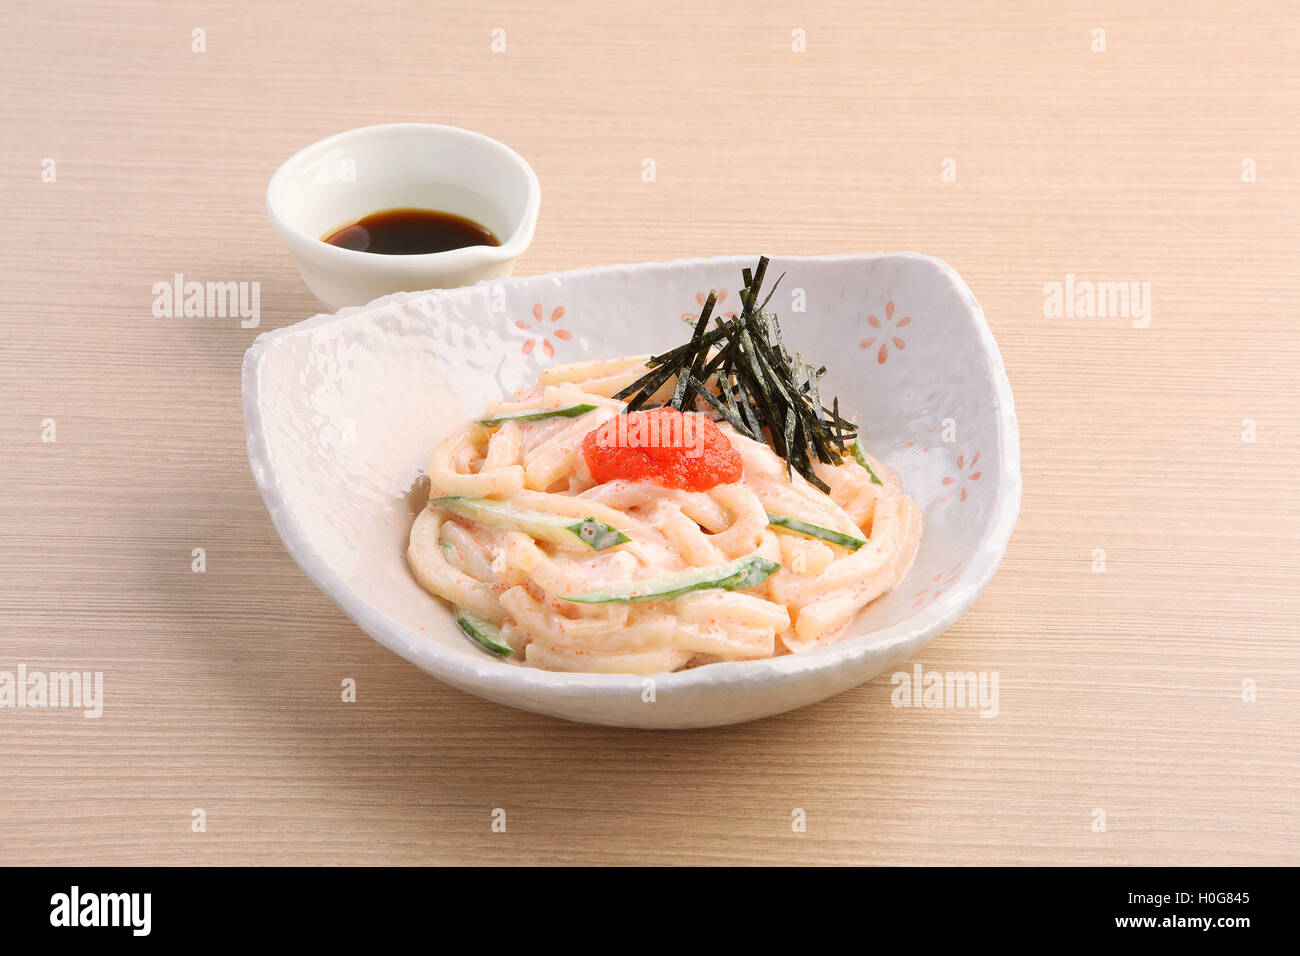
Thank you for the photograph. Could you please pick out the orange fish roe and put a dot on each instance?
(662, 446)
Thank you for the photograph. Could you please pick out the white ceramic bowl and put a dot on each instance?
(340, 179)
(342, 412)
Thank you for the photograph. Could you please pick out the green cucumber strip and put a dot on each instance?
(559, 529)
(598, 534)
(738, 575)
(861, 458)
(536, 415)
(483, 633)
(816, 531)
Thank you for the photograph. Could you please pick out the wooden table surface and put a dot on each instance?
(1163, 691)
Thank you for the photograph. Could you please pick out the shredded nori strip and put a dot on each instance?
(761, 391)
(700, 389)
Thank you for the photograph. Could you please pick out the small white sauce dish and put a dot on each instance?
(401, 165)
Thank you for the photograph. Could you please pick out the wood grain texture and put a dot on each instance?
(1119, 690)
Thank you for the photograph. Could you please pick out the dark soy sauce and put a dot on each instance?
(411, 232)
